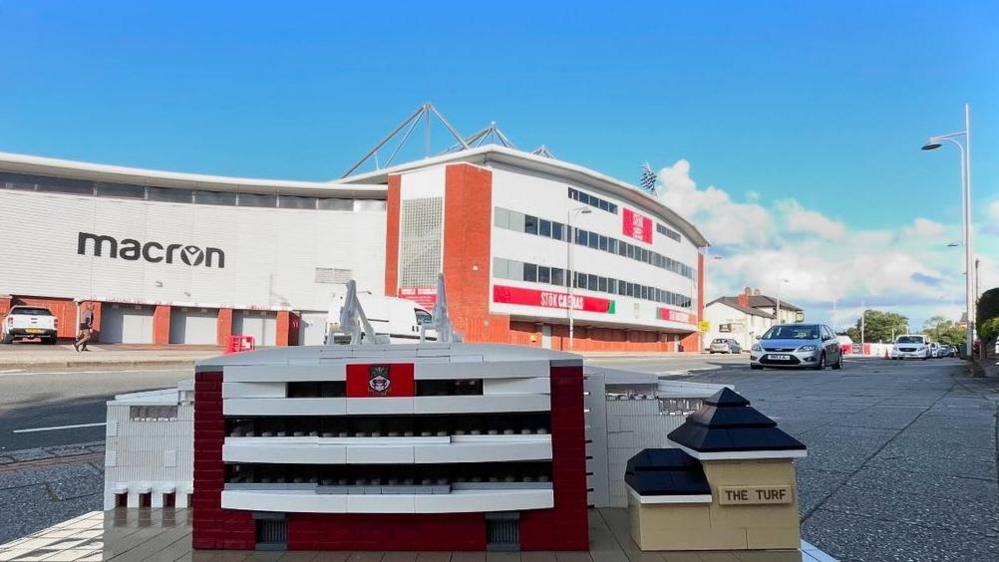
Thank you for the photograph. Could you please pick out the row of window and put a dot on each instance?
(519, 423)
(667, 231)
(520, 222)
(338, 389)
(442, 474)
(534, 273)
(592, 200)
(22, 182)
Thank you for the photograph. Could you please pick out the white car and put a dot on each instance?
(29, 322)
(911, 346)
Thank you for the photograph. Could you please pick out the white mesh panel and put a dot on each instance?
(420, 241)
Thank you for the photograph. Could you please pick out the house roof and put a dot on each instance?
(733, 302)
(727, 423)
(763, 301)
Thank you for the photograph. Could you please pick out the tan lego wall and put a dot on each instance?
(723, 527)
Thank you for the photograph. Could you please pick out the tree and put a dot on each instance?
(988, 307)
(879, 326)
(944, 331)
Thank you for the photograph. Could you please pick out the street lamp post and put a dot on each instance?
(779, 281)
(570, 271)
(964, 147)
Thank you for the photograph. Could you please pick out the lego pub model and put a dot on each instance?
(433, 446)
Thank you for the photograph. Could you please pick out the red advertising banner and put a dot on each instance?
(675, 316)
(550, 299)
(423, 296)
(637, 226)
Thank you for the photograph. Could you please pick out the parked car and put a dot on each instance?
(724, 345)
(28, 322)
(845, 343)
(934, 349)
(949, 351)
(911, 346)
(812, 346)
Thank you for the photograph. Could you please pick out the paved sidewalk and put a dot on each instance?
(41, 487)
(32, 356)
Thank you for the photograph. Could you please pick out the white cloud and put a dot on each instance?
(803, 221)
(824, 261)
(925, 227)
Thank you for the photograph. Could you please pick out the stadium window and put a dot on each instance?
(250, 199)
(544, 274)
(613, 208)
(581, 237)
(603, 243)
(558, 278)
(592, 283)
(580, 280)
(612, 286)
(603, 205)
(545, 228)
(530, 272)
(175, 195)
(530, 224)
(501, 218)
(295, 202)
(215, 198)
(557, 231)
(602, 283)
(335, 204)
(121, 190)
(594, 241)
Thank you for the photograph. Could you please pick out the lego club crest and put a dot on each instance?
(379, 380)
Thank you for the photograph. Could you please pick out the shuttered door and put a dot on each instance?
(503, 531)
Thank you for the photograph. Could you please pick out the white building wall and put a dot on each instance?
(546, 198)
(270, 254)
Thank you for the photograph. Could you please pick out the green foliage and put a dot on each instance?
(989, 329)
(988, 308)
(880, 326)
(945, 331)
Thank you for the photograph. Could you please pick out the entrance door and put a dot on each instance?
(126, 323)
(546, 336)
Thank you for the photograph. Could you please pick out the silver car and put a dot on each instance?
(724, 345)
(811, 346)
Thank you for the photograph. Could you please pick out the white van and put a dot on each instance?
(399, 319)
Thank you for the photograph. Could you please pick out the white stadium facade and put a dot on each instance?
(178, 258)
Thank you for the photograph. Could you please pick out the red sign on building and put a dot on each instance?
(637, 226)
(372, 381)
(550, 299)
(423, 296)
(674, 315)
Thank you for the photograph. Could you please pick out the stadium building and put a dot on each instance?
(190, 259)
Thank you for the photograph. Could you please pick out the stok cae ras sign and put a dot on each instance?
(153, 252)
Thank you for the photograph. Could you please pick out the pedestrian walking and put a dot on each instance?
(86, 325)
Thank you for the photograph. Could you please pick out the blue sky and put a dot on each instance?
(770, 101)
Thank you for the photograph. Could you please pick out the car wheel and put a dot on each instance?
(821, 365)
(838, 364)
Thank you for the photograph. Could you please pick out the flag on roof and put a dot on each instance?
(649, 179)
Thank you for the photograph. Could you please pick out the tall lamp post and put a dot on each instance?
(570, 270)
(779, 282)
(962, 140)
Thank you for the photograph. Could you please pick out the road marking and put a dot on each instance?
(58, 427)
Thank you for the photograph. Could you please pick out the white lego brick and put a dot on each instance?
(284, 453)
(289, 501)
(379, 503)
(533, 385)
(254, 389)
(467, 501)
(170, 458)
(380, 454)
(481, 370)
(379, 405)
(327, 371)
(484, 452)
(110, 458)
(483, 404)
(111, 429)
(284, 406)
